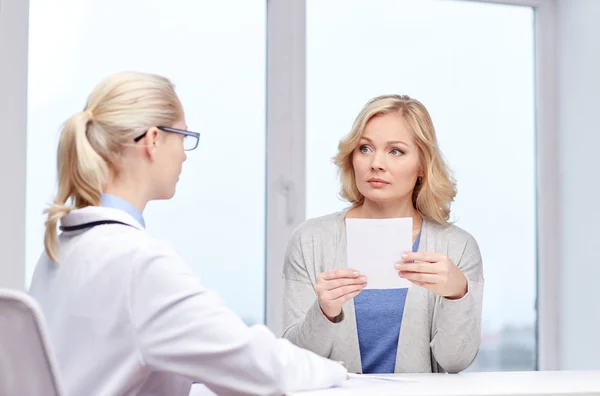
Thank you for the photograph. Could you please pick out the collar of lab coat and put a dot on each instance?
(98, 213)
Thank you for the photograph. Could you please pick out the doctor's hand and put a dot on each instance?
(435, 272)
(334, 288)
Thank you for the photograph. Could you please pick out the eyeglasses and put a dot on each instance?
(190, 139)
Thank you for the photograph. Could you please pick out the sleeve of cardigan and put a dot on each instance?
(303, 321)
(456, 330)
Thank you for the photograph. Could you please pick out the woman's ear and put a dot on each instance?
(152, 142)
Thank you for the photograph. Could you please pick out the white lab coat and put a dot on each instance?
(127, 316)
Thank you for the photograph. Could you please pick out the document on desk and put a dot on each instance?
(379, 378)
(375, 245)
(372, 381)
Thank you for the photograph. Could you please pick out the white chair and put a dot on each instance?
(27, 365)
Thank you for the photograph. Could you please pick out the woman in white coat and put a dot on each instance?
(126, 315)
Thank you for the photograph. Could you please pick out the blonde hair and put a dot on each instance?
(92, 141)
(435, 189)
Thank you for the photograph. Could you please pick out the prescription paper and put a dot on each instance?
(375, 245)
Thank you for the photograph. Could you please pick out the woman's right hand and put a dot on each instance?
(335, 288)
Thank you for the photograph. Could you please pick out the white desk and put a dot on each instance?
(556, 383)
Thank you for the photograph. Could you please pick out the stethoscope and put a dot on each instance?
(92, 224)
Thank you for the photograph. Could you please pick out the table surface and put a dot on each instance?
(469, 384)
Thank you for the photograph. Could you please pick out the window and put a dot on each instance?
(216, 58)
(472, 66)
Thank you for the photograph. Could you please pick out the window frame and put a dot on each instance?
(286, 148)
(285, 128)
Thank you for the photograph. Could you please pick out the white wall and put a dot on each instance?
(13, 117)
(578, 33)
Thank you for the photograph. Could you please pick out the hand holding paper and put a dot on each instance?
(435, 272)
(335, 288)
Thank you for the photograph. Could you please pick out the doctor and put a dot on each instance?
(126, 315)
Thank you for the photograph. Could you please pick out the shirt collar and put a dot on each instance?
(115, 202)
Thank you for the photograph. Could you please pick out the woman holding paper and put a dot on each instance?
(390, 168)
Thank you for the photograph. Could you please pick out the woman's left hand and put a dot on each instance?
(435, 272)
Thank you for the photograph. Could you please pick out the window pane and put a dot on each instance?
(216, 58)
(471, 64)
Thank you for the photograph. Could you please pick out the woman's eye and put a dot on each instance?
(397, 152)
(364, 149)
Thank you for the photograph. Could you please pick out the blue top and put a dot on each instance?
(378, 320)
(112, 201)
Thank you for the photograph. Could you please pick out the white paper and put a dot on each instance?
(359, 383)
(374, 246)
(379, 377)
(373, 382)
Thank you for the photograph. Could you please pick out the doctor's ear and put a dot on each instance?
(151, 142)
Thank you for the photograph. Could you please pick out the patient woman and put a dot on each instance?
(390, 166)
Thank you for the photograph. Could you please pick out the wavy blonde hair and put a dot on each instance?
(92, 141)
(435, 190)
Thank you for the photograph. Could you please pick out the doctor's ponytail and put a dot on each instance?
(81, 173)
(92, 141)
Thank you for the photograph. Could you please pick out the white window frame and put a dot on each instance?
(286, 121)
(14, 36)
(286, 178)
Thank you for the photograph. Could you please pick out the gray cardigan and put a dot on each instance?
(437, 334)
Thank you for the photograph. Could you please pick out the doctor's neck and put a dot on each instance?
(129, 190)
